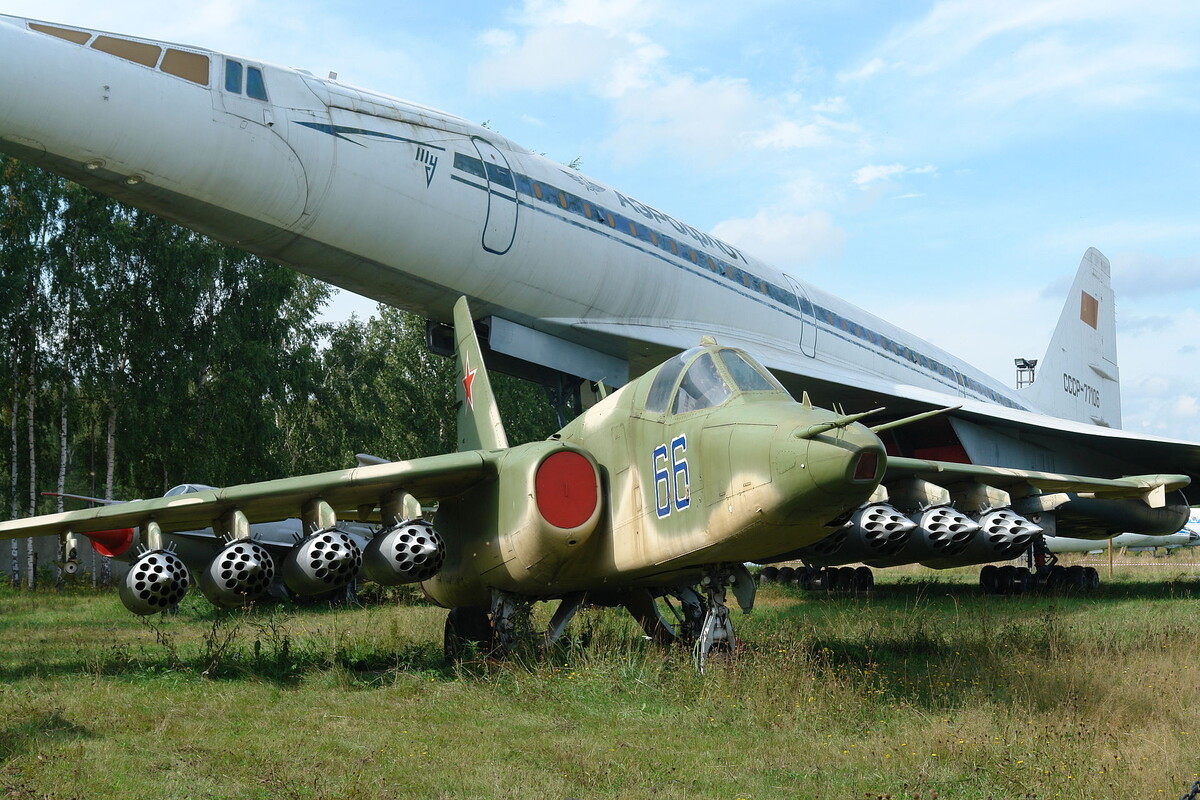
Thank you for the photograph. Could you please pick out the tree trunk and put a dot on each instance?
(30, 555)
(15, 566)
(109, 471)
(61, 486)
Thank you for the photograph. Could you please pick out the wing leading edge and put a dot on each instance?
(348, 492)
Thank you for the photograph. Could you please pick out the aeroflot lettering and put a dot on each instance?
(650, 212)
(1075, 387)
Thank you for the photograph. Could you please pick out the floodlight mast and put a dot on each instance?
(1025, 371)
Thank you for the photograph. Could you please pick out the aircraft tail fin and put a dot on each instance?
(479, 424)
(1078, 378)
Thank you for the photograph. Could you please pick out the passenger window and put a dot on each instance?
(501, 175)
(138, 52)
(701, 387)
(233, 76)
(254, 84)
(189, 66)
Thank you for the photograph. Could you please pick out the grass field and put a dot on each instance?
(924, 689)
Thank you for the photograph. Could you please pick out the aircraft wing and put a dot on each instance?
(1111, 450)
(1151, 488)
(346, 491)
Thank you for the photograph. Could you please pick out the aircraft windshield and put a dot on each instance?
(748, 376)
(702, 387)
(664, 382)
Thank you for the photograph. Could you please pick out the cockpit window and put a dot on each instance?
(664, 382)
(747, 376)
(702, 387)
(254, 84)
(233, 76)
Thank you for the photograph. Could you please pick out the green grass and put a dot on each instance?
(924, 689)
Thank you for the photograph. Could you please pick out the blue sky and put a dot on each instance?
(941, 164)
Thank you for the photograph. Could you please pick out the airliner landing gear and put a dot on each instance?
(1043, 573)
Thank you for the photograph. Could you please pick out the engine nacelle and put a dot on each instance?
(1003, 535)
(409, 552)
(157, 580)
(321, 562)
(240, 573)
(940, 532)
(1096, 518)
(874, 531)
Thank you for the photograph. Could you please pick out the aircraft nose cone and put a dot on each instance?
(847, 460)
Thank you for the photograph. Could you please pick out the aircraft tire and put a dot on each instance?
(1056, 578)
(1004, 579)
(836, 580)
(1076, 578)
(786, 575)
(468, 633)
(1022, 580)
(770, 574)
(1093, 578)
(864, 579)
(987, 578)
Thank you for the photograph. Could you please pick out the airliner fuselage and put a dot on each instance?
(415, 207)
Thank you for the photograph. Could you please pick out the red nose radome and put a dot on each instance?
(567, 490)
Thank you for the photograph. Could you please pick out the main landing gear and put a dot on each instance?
(701, 619)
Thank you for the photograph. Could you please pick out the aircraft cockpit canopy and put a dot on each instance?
(186, 488)
(706, 377)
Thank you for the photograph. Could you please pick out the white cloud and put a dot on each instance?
(562, 56)
(785, 240)
(867, 70)
(789, 134)
(832, 105)
(872, 173)
(617, 17)
(1084, 52)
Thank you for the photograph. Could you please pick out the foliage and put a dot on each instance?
(168, 357)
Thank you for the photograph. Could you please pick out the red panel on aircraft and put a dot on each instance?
(566, 489)
(111, 543)
(952, 452)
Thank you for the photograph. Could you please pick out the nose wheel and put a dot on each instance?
(716, 628)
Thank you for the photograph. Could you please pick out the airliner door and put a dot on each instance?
(808, 329)
(500, 228)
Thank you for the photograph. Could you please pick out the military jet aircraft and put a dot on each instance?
(666, 487)
(415, 207)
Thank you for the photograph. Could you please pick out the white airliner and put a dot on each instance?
(415, 207)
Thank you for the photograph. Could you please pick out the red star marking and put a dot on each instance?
(468, 380)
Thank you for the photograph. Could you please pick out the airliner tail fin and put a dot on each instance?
(1078, 378)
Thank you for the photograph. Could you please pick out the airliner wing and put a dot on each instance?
(1113, 451)
(1151, 488)
(346, 491)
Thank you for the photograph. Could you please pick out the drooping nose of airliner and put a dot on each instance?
(150, 124)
